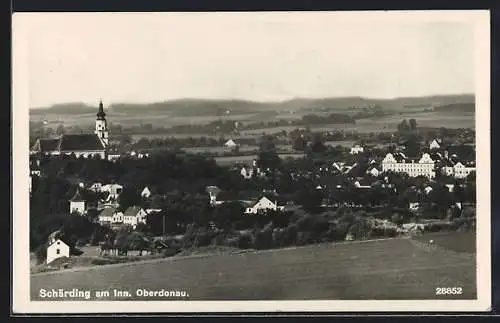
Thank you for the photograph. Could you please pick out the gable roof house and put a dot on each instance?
(134, 215)
(110, 215)
(263, 205)
(230, 144)
(57, 249)
(356, 149)
(373, 170)
(146, 192)
(435, 144)
(82, 201)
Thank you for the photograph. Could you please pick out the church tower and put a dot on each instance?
(101, 128)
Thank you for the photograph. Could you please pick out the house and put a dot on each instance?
(110, 215)
(399, 163)
(246, 172)
(435, 144)
(134, 215)
(263, 205)
(96, 187)
(114, 191)
(81, 145)
(77, 203)
(413, 206)
(57, 249)
(462, 171)
(427, 189)
(230, 144)
(146, 193)
(356, 149)
(373, 170)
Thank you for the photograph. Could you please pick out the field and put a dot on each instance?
(230, 160)
(458, 241)
(388, 269)
(251, 113)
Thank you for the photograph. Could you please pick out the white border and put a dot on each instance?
(20, 221)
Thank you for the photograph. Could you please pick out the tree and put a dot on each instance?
(299, 143)
(310, 198)
(128, 197)
(318, 145)
(412, 146)
(267, 156)
(413, 124)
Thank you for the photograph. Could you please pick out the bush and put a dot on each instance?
(170, 252)
(41, 253)
(263, 239)
(245, 241)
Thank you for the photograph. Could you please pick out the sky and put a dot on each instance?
(152, 57)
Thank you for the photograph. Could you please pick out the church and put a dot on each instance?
(82, 145)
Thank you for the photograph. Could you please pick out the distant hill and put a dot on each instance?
(205, 107)
(65, 108)
(456, 107)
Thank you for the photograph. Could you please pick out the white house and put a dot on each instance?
(110, 215)
(77, 204)
(57, 249)
(146, 192)
(230, 144)
(398, 163)
(264, 204)
(413, 206)
(373, 170)
(356, 149)
(462, 171)
(427, 189)
(434, 144)
(246, 172)
(96, 187)
(134, 215)
(114, 190)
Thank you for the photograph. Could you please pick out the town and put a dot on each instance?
(88, 192)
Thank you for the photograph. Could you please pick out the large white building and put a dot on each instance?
(82, 145)
(458, 170)
(399, 163)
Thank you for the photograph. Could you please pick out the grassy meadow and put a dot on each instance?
(389, 269)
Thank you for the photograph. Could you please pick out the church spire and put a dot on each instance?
(100, 114)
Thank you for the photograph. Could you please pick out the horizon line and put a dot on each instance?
(254, 101)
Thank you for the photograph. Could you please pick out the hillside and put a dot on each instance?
(357, 270)
(204, 107)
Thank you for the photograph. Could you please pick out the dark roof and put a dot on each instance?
(132, 211)
(399, 157)
(80, 142)
(46, 145)
(78, 197)
(108, 211)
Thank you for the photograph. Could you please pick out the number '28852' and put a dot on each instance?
(449, 290)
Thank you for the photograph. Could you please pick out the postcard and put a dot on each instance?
(251, 162)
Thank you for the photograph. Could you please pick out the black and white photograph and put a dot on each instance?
(251, 161)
